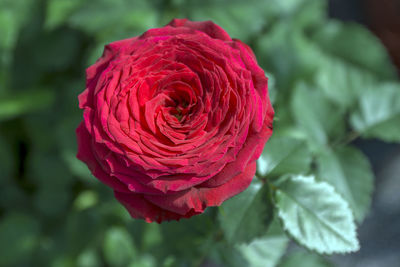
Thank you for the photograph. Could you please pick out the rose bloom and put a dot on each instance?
(175, 119)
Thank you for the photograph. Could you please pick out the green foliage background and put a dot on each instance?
(330, 83)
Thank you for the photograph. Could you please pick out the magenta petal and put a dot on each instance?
(174, 119)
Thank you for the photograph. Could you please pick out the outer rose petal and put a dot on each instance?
(139, 208)
(198, 198)
(184, 204)
(86, 155)
(208, 27)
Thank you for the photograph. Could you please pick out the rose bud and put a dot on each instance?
(175, 119)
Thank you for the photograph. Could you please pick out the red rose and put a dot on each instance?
(175, 119)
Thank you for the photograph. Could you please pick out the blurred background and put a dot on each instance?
(54, 213)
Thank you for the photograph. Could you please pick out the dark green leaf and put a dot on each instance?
(196, 231)
(6, 161)
(62, 44)
(349, 171)
(18, 239)
(315, 215)
(51, 199)
(254, 203)
(82, 229)
(29, 101)
(306, 259)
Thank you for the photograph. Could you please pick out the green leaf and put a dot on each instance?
(13, 15)
(254, 203)
(357, 45)
(272, 90)
(29, 101)
(82, 230)
(58, 11)
(88, 258)
(378, 113)
(315, 215)
(63, 44)
(267, 250)
(342, 83)
(284, 155)
(6, 161)
(86, 199)
(289, 55)
(349, 171)
(51, 199)
(226, 255)
(152, 236)
(316, 115)
(196, 231)
(118, 247)
(111, 20)
(309, 13)
(306, 258)
(145, 260)
(18, 239)
(240, 19)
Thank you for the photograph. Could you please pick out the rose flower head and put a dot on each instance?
(175, 119)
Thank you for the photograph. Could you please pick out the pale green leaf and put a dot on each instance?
(86, 199)
(145, 260)
(315, 215)
(341, 82)
(357, 45)
(349, 171)
(272, 90)
(151, 236)
(58, 11)
(111, 20)
(378, 113)
(284, 155)
(246, 215)
(88, 258)
(118, 247)
(267, 250)
(13, 16)
(309, 13)
(289, 55)
(316, 115)
(240, 19)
